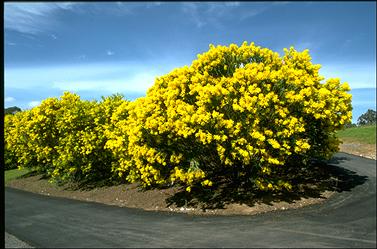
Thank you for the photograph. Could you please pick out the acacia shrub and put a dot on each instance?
(241, 114)
(237, 113)
(10, 158)
(64, 138)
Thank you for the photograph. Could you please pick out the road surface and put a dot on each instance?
(347, 219)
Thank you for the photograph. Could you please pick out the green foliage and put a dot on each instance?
(10, 159)
(11, 110)
(368, 118)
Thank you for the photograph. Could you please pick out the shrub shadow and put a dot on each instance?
(309, 182)
(29, 174)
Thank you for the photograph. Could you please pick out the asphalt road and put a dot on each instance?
(348, 219)
(12, 242)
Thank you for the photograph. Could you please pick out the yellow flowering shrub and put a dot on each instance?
(19, 141)
(243, 110)
(241, 114)
(81, 153)
(10, 157)
(64, 138)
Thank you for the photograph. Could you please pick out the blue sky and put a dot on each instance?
(97, 49)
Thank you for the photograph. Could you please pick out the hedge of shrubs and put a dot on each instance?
(63, 138)
(241, 113)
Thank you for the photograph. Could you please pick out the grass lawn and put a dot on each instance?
(14, 173)
(362, 134)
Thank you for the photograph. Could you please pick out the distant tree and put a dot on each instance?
(367, 118)
(349, 125)
(12, 110)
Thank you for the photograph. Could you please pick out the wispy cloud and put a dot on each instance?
(54, 37)
(232, 4)
(11, 43)
(138, 83)
(32, 18)
(202, 14)
(35, 18)
(346, 44)
(111, 77)
(9, 99)
(279, 3)
(356, 75)
(300, 46)
(220, 9)
(253, 10)
(33, 103)
(109, 52)
(191, 9)
(153, 4)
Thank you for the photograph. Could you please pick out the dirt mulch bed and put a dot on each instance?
(130, 195)
(313, 189)
(358, 149)
(317, 188)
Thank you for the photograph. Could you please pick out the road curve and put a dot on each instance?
(348, 219)
(12, 242)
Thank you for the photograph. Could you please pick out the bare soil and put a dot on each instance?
(359, 149)
(130, 195)
(309, 190)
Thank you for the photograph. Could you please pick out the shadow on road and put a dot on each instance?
(309, 182)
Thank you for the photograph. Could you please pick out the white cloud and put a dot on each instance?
(9, 99)
(54, 37)
(33, 103)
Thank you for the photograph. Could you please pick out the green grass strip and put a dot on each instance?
(14, 174)
(362, 134)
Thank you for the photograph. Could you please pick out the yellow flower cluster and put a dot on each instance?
(241, 109)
